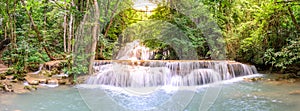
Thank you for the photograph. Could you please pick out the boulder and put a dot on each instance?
(9, 77)
(52, 81)
(33, 82)
(62, 81)
(43, 81)
(8, 88)
(1, 87)
(30, 88)
(296, 92)
(291, 80)
(2, 76)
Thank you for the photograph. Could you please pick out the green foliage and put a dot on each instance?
(259, 32)
(75, 65)
(287, 56)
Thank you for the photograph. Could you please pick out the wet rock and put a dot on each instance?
(43, 81)
(9, 77)
(60, 76)
(296, 92)
(46, 73)
(8, 88)
(2, 76)
(14, 81)
(291, 80)
(52, 82)
(33, 82)
(62, 81)
(30, 88)
(1, 87)
(253, 79)
(277, 79)
(248, 79)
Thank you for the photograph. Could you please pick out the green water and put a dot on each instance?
(237, 96)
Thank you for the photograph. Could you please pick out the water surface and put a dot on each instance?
(233, 96)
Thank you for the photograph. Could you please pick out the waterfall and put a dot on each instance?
(134, 51)
(148, 73)
(133, 68)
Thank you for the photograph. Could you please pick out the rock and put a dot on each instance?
(62, 81)
(43, 81)
(291, 80)
(248, 79)
(52, 82)
(8, 88)
(27, 87)
(1, 87)
(46, 73)
(296, 92)
(30, 88)
(2, 76)
(253, 79)
(9, 77)
(54, 64)
(14, 81)
(3, 70)
(33, 82)
(60, 76)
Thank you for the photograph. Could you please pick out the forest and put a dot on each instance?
(265, 33)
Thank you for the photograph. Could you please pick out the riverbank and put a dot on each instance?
(31, 83)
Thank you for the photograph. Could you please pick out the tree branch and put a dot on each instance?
(288, 1)
(293, 18)
(38, 34)
(111, 19)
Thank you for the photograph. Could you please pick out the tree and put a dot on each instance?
(94, 37)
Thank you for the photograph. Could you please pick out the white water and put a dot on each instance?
(139, 71)
(134, 51)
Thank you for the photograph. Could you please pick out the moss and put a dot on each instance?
(2, 76)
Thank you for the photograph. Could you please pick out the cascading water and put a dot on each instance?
(144, 73)
(134, 51)
(134, 69)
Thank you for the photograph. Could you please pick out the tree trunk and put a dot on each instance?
(70, 29)
(65, 31)
(94, 37)
(70, 32)
(294, 18)
(5, 32)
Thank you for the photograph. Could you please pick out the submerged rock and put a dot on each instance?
(253, 79)
(296, 92)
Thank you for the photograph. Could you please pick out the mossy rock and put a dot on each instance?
(20, 77)
(54, 71)
(2, 76)
(1, 86)
(46, 73)
(30, 88)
